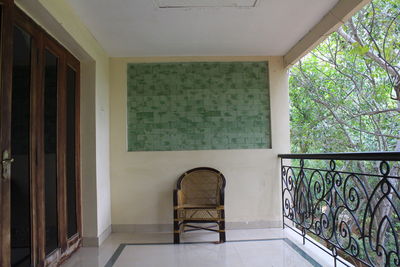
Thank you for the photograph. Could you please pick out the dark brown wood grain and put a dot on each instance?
(75, 65)
(56, 49)
(62, 161)
(41, 41)
(36, 124)
(5, 126)
(40, 153)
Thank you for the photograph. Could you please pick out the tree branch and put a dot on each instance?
(349, 126)
(376, 112)
(381, 62)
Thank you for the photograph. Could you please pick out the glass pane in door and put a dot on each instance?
(71, 166)
(20, 147)
(50, 149)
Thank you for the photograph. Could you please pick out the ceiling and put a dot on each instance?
(205, 3)
(135, 28)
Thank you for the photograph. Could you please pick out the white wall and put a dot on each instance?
(142, 182)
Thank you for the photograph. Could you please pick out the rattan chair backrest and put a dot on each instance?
(201, 186)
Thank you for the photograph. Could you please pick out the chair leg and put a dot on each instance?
(176, 231)
(176, 222)
(222, 236)
(176, 238)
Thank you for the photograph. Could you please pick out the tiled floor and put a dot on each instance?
(256, 247)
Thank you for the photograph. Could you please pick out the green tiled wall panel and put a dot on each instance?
(198, 105)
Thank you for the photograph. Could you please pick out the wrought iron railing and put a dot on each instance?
(348, 204)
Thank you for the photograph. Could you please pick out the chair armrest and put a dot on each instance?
(178, 198)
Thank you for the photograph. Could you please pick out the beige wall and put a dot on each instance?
(142, 182)
(58, 18)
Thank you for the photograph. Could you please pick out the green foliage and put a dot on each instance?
(343, 95)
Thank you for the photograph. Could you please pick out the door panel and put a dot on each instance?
(50, 150)
(72, 228)
(20, 147)
(5, 128)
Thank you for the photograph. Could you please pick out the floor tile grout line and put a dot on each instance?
(302, 252)
(201, 242)
(115, 255)
(122, 246)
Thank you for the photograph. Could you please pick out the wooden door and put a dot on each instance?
(40, 219)
(6, 9)
(52, 196)
(72, 163)
(25, 126)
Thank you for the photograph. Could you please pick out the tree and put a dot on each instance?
(345, 95)
(352, 82)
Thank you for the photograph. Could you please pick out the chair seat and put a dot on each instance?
(204, 213)
(199, 206)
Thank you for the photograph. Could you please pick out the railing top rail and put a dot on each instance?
(387, 156)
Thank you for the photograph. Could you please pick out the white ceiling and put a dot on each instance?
(205, 3)
(134, 28)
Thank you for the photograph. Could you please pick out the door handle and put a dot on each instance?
(6, 166)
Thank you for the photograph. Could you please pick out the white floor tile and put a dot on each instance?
(274, 253)
(253, 253)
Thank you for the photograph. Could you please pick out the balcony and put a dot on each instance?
(337, 210)
(347, 204)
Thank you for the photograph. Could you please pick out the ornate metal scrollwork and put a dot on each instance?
(352, 207)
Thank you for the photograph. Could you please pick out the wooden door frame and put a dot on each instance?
(5, 126)
(21, 20)
(41, 41)
(75, 241)
(56, 49)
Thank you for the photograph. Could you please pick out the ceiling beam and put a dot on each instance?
(337, 16)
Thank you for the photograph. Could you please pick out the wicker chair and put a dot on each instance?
(199, 198)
